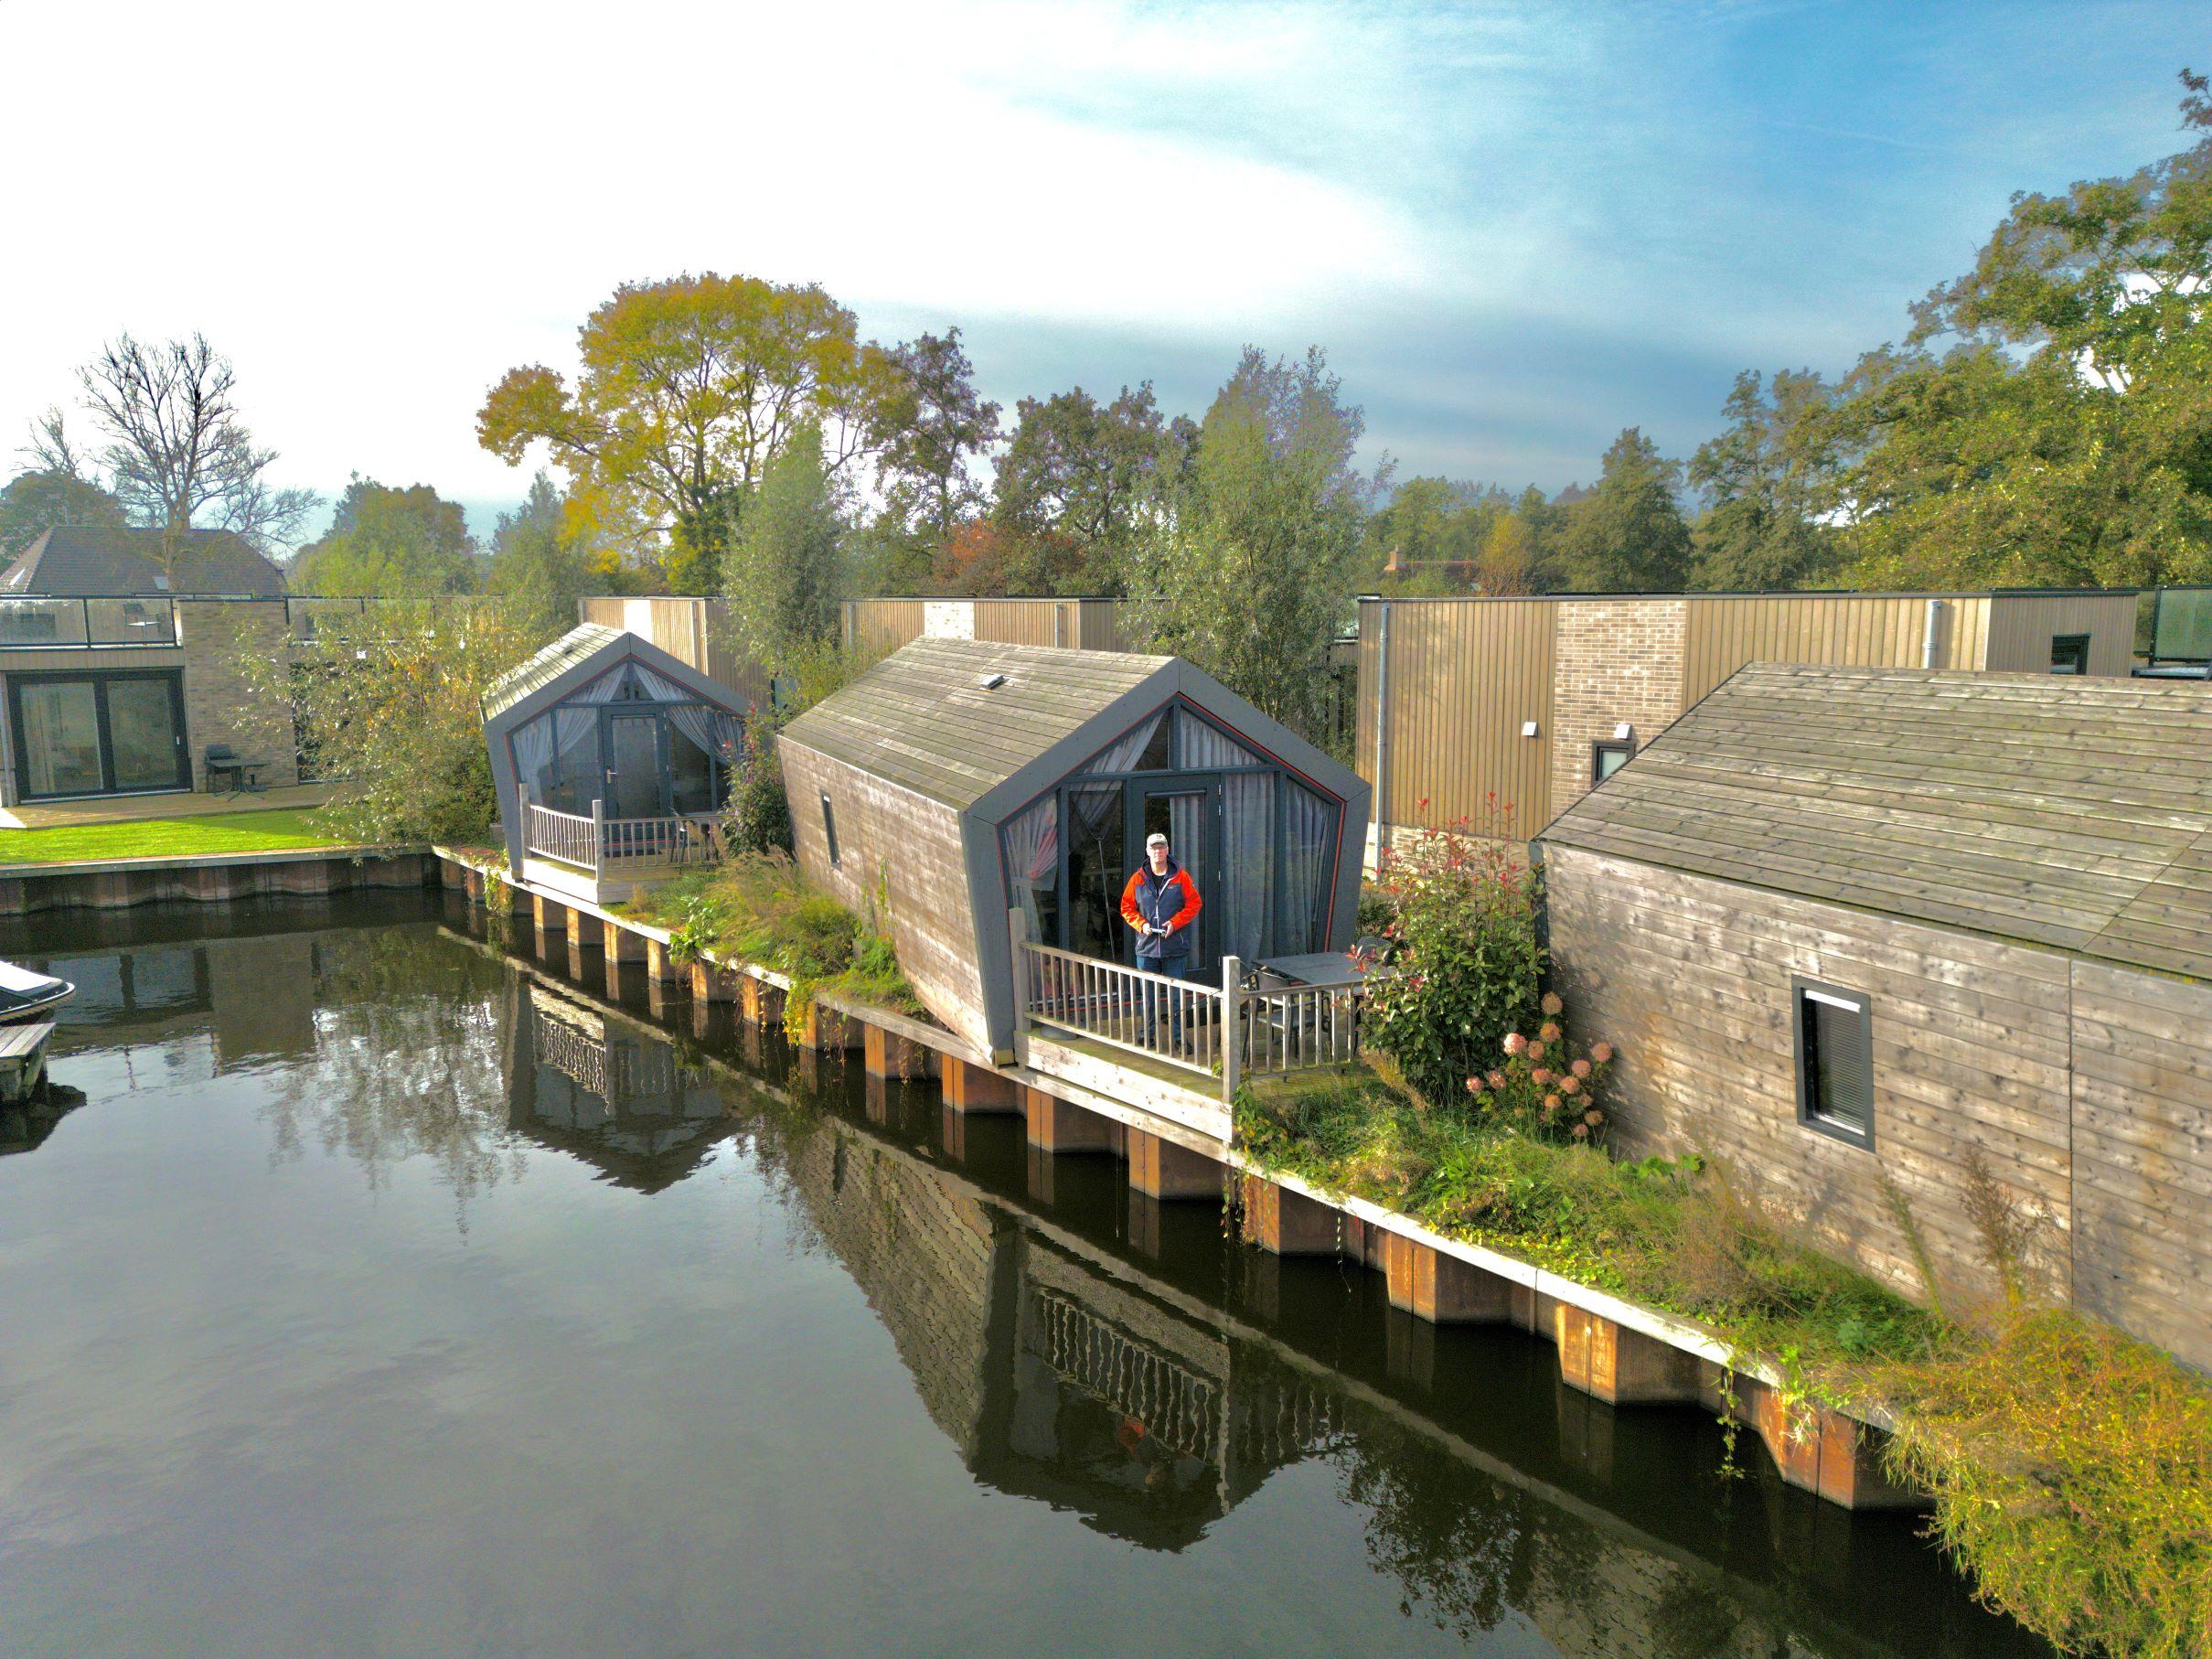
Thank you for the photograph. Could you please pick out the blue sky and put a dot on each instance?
(1515, 228)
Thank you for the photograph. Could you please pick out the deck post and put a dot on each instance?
(599, 831)
(1018, 935)
(1232, 981)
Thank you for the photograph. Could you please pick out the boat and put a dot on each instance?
(25, 995)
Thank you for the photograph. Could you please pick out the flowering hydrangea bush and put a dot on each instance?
(1540, 1086)
(1464, 960)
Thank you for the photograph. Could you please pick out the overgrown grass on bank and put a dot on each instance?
(276, 831)
(758, 908)
(1671, 1236)
(2070, 1466)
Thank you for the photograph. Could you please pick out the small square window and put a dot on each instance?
(1835, 1037)
(2069, 653)
(1607, 756)
(830, 829)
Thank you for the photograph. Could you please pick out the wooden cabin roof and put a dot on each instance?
(579, 643)
(2075, 813)
(923, 719)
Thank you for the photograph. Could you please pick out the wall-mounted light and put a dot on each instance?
(1528, 728)
(1624, 733)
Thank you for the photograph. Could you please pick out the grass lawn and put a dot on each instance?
(273, 831)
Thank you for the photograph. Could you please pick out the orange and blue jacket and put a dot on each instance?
(1170, 901)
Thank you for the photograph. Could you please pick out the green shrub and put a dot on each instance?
(758, 819)
(1466, 963)
(2072, 1468)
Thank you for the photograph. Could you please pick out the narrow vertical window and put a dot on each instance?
(2069, 653)
(830, 829)
(1834, 1062)
(1607, 756)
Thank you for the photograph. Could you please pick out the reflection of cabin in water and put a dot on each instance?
(616, 1096)
(965, 779)
(611, 758)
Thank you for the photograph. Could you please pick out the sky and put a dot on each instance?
(1515, 228)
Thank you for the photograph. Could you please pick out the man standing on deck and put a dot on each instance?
(1161, 903)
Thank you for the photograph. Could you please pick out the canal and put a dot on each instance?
(394, 1291)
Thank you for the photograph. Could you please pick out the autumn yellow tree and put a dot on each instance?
(685, 390)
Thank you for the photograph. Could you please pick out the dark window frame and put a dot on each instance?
(829, 831)
(2073, 647)
(1623, 746)
(100, 678)
(1805, 996)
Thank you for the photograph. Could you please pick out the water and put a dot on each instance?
(347, 1315)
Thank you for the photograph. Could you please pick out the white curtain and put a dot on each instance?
(1122, 755)
(533, 752)
(1199, 747)
(1247, 862)
(1032, 866)
(1309, 825)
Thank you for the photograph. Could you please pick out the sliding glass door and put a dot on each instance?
(97, 733)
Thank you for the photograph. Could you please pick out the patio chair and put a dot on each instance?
(223, 762)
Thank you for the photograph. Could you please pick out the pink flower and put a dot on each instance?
(1570, 1085)
(1581, 1132)
(1552, 1004)
(1536, 1051)
(1551, 1103)
(1581, 1068)
(1473, 1083)
(1540, 1077)
(1514, 1042)
(1497, 1079)
(1593, 1116)
(1549, 1033)
(1601, 1052)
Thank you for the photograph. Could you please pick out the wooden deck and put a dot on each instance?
(573, 883)
(22, 1059)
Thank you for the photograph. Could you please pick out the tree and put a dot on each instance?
(391, 698)
(936, 425)
(1243, 566)
(56, 490)
(1070, 487)
(1628, 536)
(2065, 434)
(688, 389)
(1770, 475)
(390, 543)
(177, 452)
(781, 577)
(1508, 564)
(538, 565)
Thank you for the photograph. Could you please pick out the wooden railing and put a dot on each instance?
(1228, 1031)
(596, 842)
(566, 835)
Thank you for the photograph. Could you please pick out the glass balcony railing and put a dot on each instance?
(86, 624)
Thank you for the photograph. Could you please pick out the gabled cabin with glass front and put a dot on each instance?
(611, 758)
(958, 781)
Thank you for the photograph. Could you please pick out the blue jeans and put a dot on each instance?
(1173, 968)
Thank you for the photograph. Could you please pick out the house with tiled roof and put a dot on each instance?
(78, 560)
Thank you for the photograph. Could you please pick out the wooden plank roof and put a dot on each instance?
(548, 665)
(923, 719)
(2075, 813)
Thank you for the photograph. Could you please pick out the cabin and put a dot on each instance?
(958, 781)
(1498, 714)
(611, 759)
(1855, 932)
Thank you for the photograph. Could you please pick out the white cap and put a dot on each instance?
(1155, 840)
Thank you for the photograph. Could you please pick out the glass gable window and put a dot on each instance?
(1258, 841)
(635, 742)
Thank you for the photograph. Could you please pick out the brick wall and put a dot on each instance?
(1613, 661)
(220, 705)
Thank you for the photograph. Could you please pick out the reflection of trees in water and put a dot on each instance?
(408, 1062)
